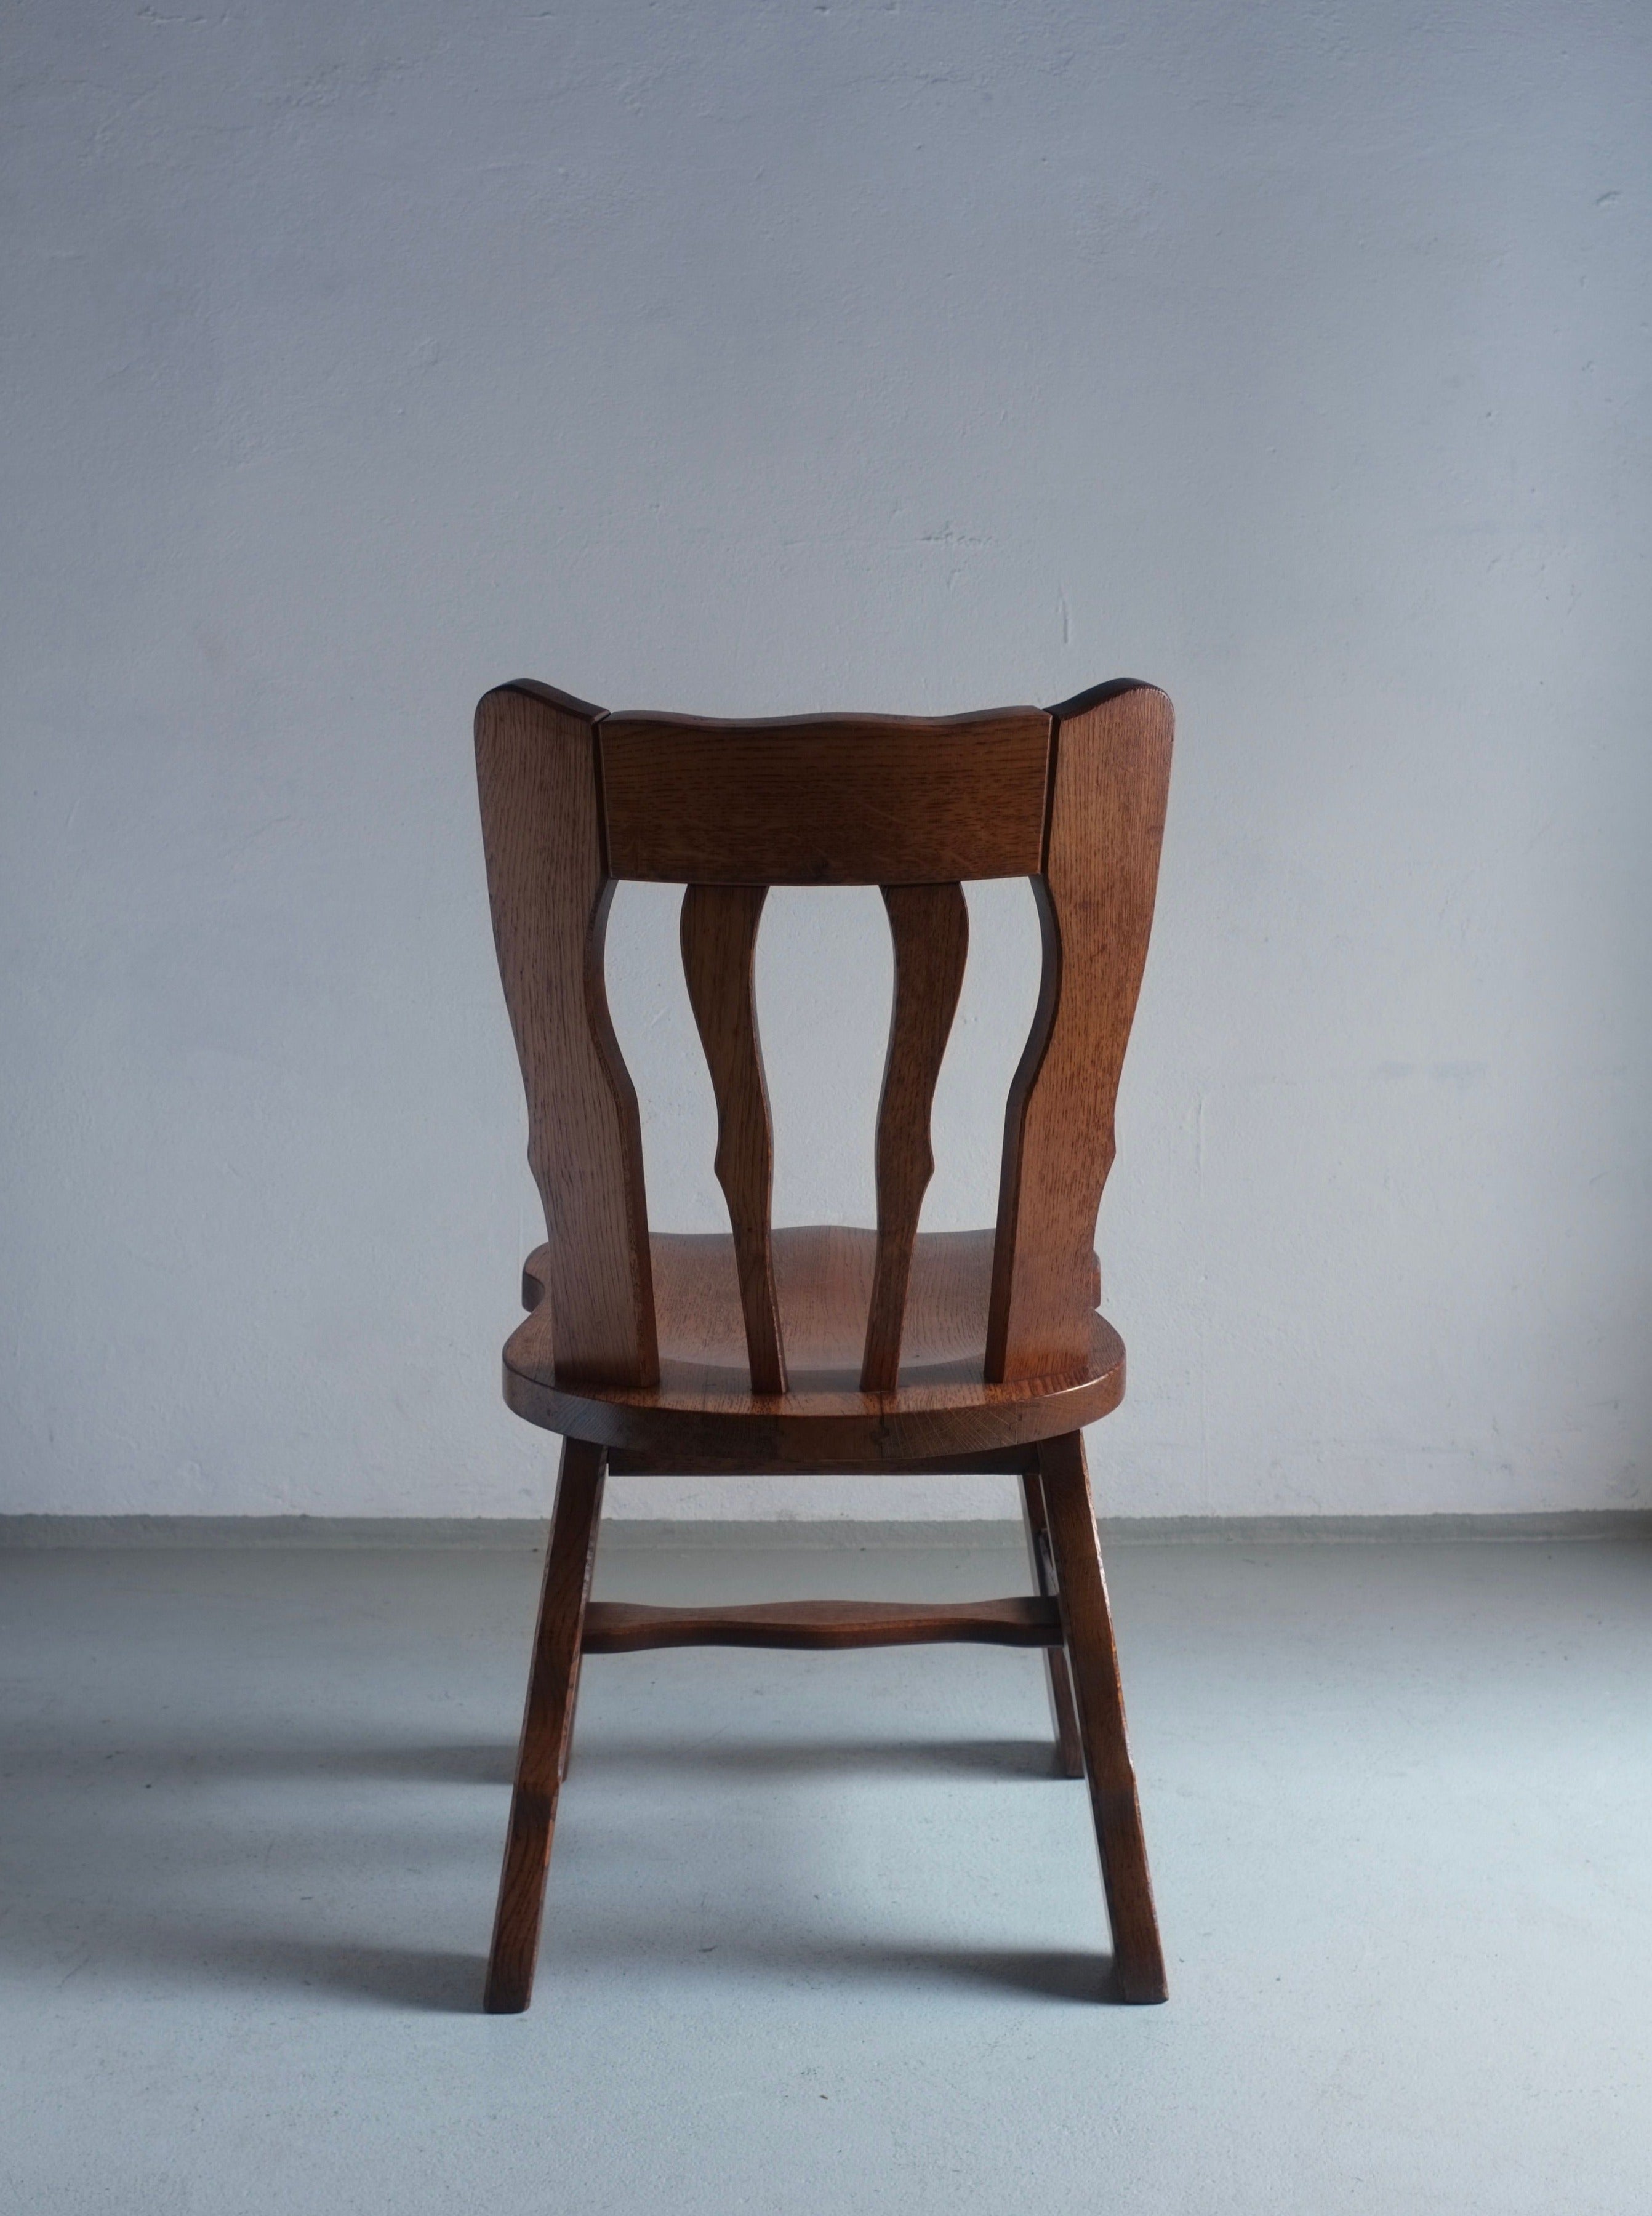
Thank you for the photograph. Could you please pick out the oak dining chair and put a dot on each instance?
(767, 1350)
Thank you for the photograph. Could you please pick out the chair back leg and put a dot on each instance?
(547, 1722)
(1069, 1747)
(1087, 1622)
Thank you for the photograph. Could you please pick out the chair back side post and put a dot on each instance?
(550, 889)
(572, 800)
(1108, 787)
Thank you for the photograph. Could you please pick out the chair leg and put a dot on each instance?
(573, 1718)
(546, 1721)
(1139, 1961)
(1069, 1747)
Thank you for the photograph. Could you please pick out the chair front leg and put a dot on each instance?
(547, 1719)
(1087, 1624)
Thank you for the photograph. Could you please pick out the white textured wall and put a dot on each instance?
(767, 357)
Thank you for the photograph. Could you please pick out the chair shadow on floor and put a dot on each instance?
(102, 1892)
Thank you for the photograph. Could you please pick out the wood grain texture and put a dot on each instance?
(622, 1628)
(825, 800)
(536, 770)
(719, 933)
(547, 1722)
(1087, 1620)
(929, 926)
(823, 1348)
(1109, 786)
(1064, 1714)
(704, 1409)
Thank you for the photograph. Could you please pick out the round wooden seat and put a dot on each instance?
(704, 1409)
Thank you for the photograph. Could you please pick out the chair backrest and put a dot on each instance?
(574, 800)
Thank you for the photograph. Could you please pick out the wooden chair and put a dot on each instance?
(823, 1348)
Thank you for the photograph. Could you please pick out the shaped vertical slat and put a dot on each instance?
(1111, 777)
(549, 893)
(719, 931)
(929, 926)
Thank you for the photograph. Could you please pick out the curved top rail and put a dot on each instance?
(825, 800)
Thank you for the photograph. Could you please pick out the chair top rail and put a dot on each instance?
(825, 800)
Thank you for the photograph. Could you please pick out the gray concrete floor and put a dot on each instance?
(823, 1932)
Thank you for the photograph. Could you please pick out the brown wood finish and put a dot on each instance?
(547, 1720)
(1096, 905)
(719, 932)
(1002, 1462)
(1063, 1713)
(1137, 1958)
(823, 1347)
(622, 1628)
(549, 895)
(704, 1407)
(929, 926)
(825, 800)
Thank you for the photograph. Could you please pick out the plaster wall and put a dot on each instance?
(752, 358)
